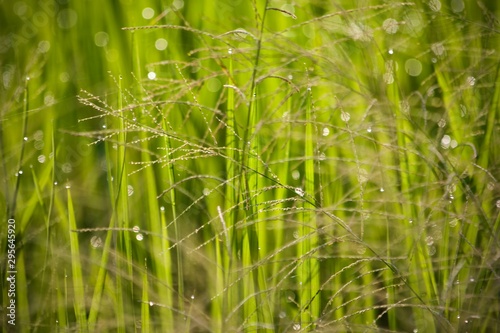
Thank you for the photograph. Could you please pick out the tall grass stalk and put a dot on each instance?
(76, 269)
(145, 309)
(161, 261)
(229, 301)
(123, 240)
(420, 277)
(308, 271)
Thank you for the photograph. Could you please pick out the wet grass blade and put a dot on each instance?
(145, 316)
(76, 269)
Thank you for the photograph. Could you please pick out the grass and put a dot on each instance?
(306, 166)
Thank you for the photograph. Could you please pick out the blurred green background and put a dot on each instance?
(423, 76)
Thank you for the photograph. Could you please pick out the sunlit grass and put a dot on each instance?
(290, 167)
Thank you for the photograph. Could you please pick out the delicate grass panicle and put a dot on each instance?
(323, 166)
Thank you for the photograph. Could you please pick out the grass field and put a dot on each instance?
(250, 166)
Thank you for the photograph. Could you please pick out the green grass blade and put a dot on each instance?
(145, 316)
(76, 269)
(308, 271)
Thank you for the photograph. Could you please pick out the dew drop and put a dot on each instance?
(296, 326)
(101, 39)
(369, 129)
(429, 240)
(299, 191)
(55, 183)
(404, 106)
(413, 67)
(445, 141)
(498, 204)
(136, 229)
(41, 158)
(453, 223)
(438, 49)
(442, 123)
(435, 5)
(471, 80)
(96, 242)
(38, 135)
(345, 116)
(295, 174)
(206, 191)
(214, 84)
(326, 131)
(130, 190)
(177, 4)
(151, 303)
(457, 6)
(25, 138)
(68, 187)
(230, 51)
(192, 296)
(67, 168)
(391, 51)
(39, 144)
(388, 78)
(282, 314)
(151, 75)
(382, 189)
(139, 237)
(148, 13)
(390, 26)
(162, 208)
(296, 234)
(161, 44)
